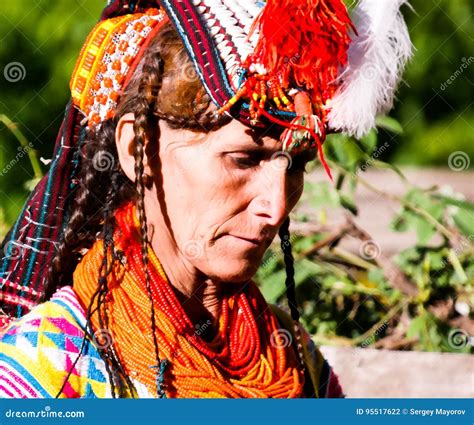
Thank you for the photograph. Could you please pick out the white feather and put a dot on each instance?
(377, 58)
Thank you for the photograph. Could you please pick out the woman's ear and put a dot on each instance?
(125, 143)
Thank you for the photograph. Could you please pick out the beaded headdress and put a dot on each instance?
(305, 65)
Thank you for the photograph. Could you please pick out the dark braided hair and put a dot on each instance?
(163, 87)
(284, 234)
(149, 88)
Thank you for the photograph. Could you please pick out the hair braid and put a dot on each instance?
(148, 92)
(284, 233)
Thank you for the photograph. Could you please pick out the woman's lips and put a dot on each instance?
(251, 241)
(255, 242)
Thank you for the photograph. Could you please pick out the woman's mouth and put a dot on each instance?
(251, 241)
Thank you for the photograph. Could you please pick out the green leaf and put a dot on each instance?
(369, 142)
(465, 222)
(416, 326)
(348, 203)
(377, 276)
(400, 224)
(466, 205)
(302, 244)
(346, 152)
(437, 260)
(389, 123)
(29, 185)
(274, 286)
(324, 195)
(387, 166)
(424, 230)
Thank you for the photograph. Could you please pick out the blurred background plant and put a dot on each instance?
(418, 298)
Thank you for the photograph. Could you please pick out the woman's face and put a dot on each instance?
(221, 197)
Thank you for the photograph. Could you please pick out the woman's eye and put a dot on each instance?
(251, 160)
(245, 161)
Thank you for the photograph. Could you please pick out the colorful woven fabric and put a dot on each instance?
(30, 245)
(37, 351)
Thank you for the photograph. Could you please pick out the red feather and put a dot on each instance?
(304, 42)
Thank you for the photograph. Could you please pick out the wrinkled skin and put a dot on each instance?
(215, 203)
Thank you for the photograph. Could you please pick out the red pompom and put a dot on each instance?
(304, 41)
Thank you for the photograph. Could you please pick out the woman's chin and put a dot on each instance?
(238, 270)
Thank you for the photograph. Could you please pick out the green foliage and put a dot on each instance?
(45, 38)
(433, 106)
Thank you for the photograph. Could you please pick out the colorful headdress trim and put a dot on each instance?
(106, 59)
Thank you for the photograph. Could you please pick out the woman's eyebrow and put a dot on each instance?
(256, 144)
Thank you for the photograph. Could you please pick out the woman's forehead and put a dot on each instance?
(240, 137)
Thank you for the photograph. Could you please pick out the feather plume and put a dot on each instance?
(377, 58)
(304, 41)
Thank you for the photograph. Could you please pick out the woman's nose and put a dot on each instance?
(272, 200)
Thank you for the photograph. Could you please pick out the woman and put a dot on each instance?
(178, 165)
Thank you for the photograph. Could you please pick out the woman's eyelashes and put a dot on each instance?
(247, 160)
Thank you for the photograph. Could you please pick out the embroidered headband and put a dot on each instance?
(106, 59)
(302, 64)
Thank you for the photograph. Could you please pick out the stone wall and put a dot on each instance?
(370, 373)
